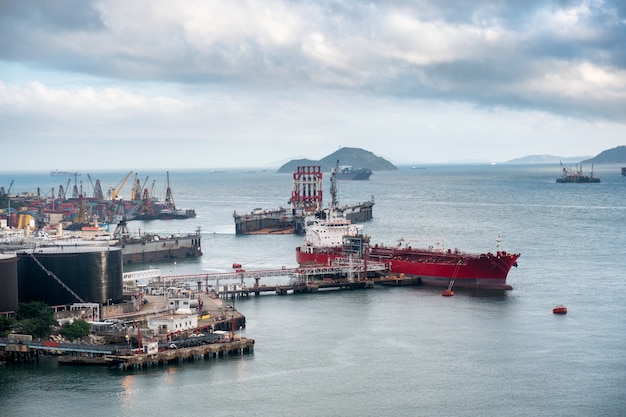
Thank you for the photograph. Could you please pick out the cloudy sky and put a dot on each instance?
(227, 83)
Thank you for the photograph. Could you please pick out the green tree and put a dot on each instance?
(6, 324)
(76, 329)
(35, 318)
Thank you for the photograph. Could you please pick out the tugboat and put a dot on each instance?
(560, 309)
(576, 175)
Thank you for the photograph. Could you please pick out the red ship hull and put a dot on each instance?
(484, 271)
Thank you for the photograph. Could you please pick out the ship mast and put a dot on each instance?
(333, 187)
(169, 198)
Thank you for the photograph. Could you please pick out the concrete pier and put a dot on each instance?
(236, 347)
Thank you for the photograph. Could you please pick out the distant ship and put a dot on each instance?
(576, 175)
(57, 173)
(346, 172)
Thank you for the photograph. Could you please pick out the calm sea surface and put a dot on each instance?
(387, 351)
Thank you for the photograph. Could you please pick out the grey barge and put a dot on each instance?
(306, 200)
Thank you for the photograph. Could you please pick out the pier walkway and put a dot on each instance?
(343, 270)
(345, 273)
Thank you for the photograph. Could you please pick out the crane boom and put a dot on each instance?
(115, 192)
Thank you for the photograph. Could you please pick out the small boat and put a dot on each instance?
(447, 293)
(236, 265)
(560, 309)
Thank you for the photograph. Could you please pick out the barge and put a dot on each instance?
(306, 200)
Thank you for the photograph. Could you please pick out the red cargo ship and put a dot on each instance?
(334, 238)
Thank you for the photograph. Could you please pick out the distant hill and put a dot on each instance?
(356, 157)
(610, 156)
(547, 159)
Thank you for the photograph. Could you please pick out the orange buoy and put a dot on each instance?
(561, 309)
(447, 293)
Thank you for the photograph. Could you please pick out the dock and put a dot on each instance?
(179, 356)
(122, 358)
(129, 360)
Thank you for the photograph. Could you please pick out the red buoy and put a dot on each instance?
(447, 293)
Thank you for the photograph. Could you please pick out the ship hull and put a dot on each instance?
(361, 174)
(142, 251)
(280, 221)
(579, 180)
(484, 271)
(356, 176)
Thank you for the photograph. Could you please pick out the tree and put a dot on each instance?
(76, 329)
(35, 318)
(6, 324)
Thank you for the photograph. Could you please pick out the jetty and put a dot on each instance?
(178, 356)
(344, 275)
(116, 356)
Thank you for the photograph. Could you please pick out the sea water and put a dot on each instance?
(386, 351)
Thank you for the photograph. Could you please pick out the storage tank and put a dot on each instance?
(93, 273)
(8, 283)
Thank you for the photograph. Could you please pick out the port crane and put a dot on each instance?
(8, 194)
(2, 192)
(136, 193)
(75, 192)
(62, 191)
(115, 192)
(97, 189)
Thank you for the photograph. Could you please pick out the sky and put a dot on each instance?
(241, 83)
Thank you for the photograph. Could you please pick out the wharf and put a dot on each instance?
(216, 350)
(128, 360)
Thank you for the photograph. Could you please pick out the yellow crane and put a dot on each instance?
(115, 192)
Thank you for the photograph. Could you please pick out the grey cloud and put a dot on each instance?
(72, 35)
(63, 15)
